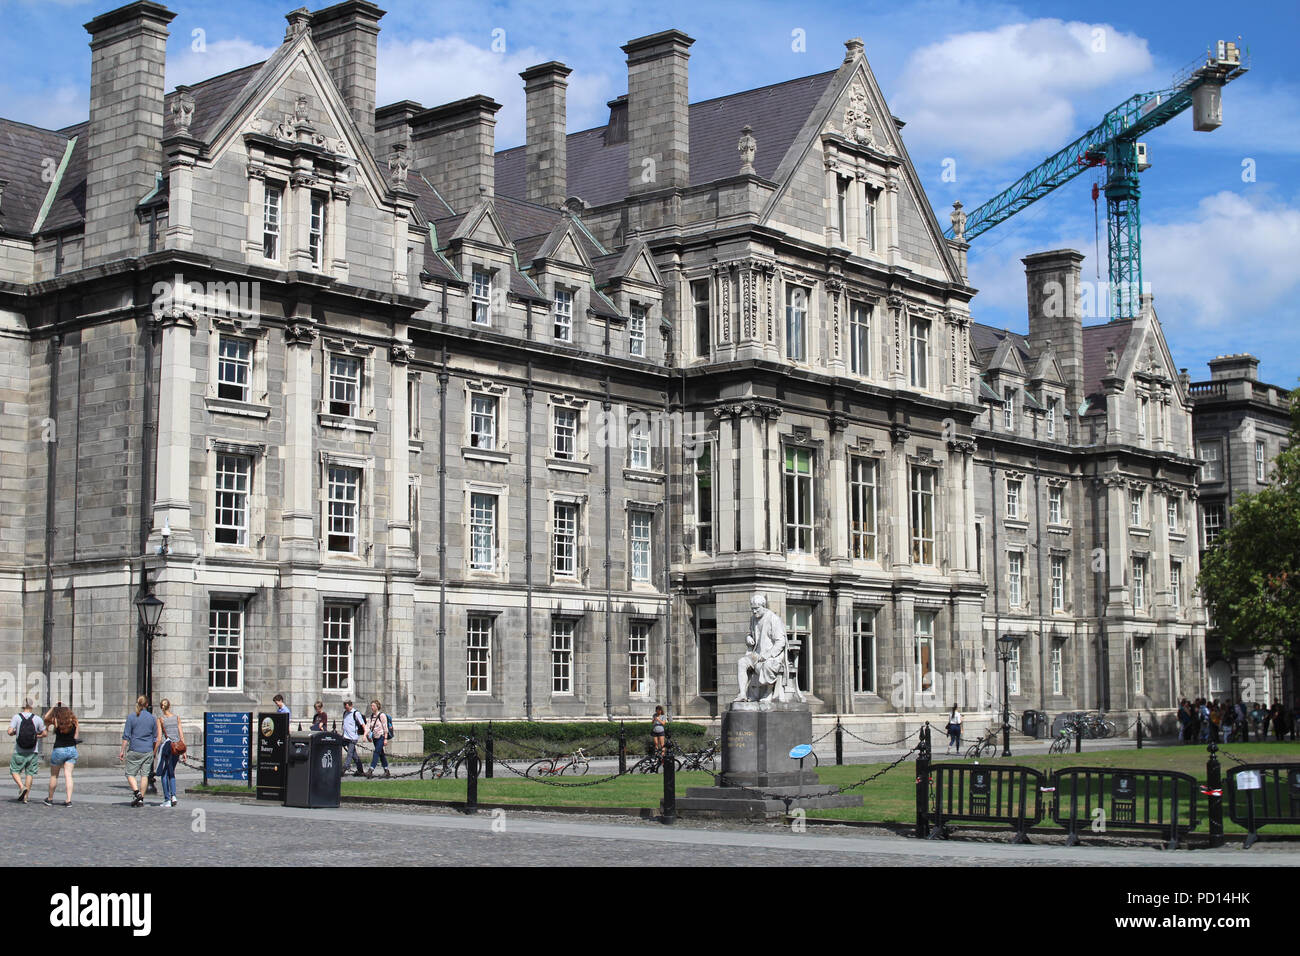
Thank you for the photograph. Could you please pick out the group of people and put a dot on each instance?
(377, 728)
(1222, 722)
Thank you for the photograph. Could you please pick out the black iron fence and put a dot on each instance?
(1261, 794)
(986, 794)
(1100, 800)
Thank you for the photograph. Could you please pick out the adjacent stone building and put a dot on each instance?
(378, 411)
(1241, 425)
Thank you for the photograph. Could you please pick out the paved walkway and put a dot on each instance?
(102, 829)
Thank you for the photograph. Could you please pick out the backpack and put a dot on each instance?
(27, 732)
(390, 726)
(358, 722)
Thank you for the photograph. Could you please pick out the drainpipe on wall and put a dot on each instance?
(442, 535)
(995, 571)
(528, 540)
(149, 444)
(609, 585)
(51, 475)
(668, 553)
(1042, 645)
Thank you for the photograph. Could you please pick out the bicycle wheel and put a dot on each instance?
(973, 752)
(579, 767)
(542, 768)
(989, 749)
(1058, 745)
(430, 766)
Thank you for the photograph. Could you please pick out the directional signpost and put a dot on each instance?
(228, 747)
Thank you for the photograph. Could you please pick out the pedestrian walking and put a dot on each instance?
(377, 732)
(140, 734)
(954, 729)
(64, 755)
(26, 760)
(354, 727)
(321, 720)
(172, 749)
(280, 706)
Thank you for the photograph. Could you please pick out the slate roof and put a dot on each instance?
(1096, 340)
(24, 150)
(985, 339)
(598, 172)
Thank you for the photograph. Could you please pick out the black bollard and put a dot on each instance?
(839, 743)
(1139, 733)
(670, 784)
(622, 748)
(471, 785)
(923, 785)
(334, 727)
(491, 753)
(1214, 796)
(1078, 739)
(300, 726)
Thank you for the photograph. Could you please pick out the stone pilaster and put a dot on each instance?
(171, 504)
(298, 537)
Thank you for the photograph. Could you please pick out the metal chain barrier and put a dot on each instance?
(881, 743)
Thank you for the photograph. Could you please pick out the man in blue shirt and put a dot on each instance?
(280, 706)
(140, 732)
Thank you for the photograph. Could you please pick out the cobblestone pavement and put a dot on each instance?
(102, 829)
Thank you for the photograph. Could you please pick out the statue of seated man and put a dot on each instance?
(764, 664)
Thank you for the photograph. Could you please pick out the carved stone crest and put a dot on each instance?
(183, 109)
(857, 121)
(748, 147)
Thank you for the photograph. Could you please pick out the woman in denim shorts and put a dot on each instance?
(64, 755)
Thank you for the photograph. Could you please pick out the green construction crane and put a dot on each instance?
(1113, 143)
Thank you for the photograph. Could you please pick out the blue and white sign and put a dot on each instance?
(227, 745)
(801, 751)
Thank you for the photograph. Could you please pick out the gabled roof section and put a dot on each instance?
(634, 262)
(1046, 369)
(597, 171)
(1097, 340)
(481, 224)
(563, 245)
(1006, 358)
(985, 340)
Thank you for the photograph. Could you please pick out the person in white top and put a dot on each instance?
(954, 730)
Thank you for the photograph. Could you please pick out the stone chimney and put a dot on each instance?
(393, 126)
(454, 145)
(1241, 366)
(347, 36)
(1052, 283)
(124, 138)
(658, 120)
(547, 148)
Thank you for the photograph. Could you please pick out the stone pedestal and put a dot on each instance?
(758, 776)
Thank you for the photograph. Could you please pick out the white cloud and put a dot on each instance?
(1232, 261)
(191, 66)
(52, 108)
(433, 72)
(995, 94)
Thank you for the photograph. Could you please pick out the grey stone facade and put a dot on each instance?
(407, 463)
(1240, 426)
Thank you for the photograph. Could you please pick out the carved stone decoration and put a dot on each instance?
(300, 108)
(958, 222)
(401, 353)
(899, 433)
(833, 289)
(748, 147)
(857, 121)
(398, 164)
(724, 303)
(747, 303)
(769, 283)
(183, 109)
(299, 23)
(1112, 361)
(299, 334)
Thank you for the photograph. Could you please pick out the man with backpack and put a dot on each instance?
(354, 727)
(29, 729)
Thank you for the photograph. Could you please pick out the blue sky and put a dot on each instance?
(988, 90)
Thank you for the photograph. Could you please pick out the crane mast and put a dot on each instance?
(1114, 143)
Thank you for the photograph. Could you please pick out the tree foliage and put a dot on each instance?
(1251, 576)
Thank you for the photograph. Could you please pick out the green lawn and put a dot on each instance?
(890, 798)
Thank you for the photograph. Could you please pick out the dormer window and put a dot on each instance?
(869, 217)
(1053, 413)
(563, 315)
(316, 231)
(636, 331)
(271, 219)
(1009, 408)
(481, 298)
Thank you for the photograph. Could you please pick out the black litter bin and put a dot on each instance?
(1032, 723)
(315, 770)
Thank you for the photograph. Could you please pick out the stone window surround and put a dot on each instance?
(817, 484)
(502, 557)
(649, 625)
(865, 450)
(282, 168)
(501, 393)
(256, 334)
(871, 612)
(582, 452)
(365, 465)
(493, 649)
(243, 598)
(651, 508)
(357, 603)
(364, 420)
(257, 503)
(582, 572)
(868, 172)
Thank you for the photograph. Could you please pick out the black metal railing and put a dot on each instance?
(987, 794)
(1103, 799)
(1260, 794)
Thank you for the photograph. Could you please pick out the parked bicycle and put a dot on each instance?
(574, 763)
(705, 759)
(986, 746)
(652, 763)
(448, 763)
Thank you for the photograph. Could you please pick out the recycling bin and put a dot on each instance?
(315, 777)
(1033, 723)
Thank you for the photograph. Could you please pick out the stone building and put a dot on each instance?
(379, 411)
(1241, 425)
